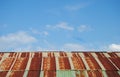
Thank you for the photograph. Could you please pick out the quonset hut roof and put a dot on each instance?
(59, 64)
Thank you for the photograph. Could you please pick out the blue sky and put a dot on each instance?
(70, 25)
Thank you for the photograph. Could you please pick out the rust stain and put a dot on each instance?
(6, 64)
(116, 61)
(1, 54)
(49, 74)
(49, 63)
(77, 62)
(113, 55)
(92, 63)
(35, 64)
(64, 63)
(20, 64)
(95, 73)
(112, 74)
(107, 64)
(16, 74)
(33, 74)
(80, 74)
(15, 64)
(62, 54)
(3, 73)
(51, 54)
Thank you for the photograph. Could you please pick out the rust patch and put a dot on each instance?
(77, 62)
(64, 63)
(16, 74)
(95, 73)
(35, 64)
(112, 74)
(49, 63)
(107, 64)
(20, 64)
(92, 63)
(49, 74)
(6, 64)
(3, 73)
(33, 74)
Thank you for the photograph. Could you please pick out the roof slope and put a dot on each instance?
(60, 64)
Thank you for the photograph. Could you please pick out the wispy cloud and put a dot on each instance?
(76, 6)
(73, 47)
(35, 31)
(3, 26)
(83, 28)
(66, 26)
(12, 40)
(62, 25)
(114, 47)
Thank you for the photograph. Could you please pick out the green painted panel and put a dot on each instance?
(119, 72)
(41, 74)
(65, 74)
(104, 74)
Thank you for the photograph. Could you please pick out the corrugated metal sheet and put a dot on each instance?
(60, 64)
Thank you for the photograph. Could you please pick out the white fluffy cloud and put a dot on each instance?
(73, 47)
(114, 47)
(12, 40)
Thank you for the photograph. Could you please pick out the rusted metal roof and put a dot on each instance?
(59, 64)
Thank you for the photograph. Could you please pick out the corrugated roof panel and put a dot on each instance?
(6, 63)
(20, 64)
(49, 63)
(3, 73)
(38, 54)
(69, 54)
(33, 73)
(60, 64)
(62, 54)
(65, 74)
(15, 74)
(116, 61)
(118, 54)
(81, 54)
(97, 73)
(78, 63)
(57, 54)
(112, 74)
(87, 54)
(106, 55)
(50, 54)
(1, 54)
(64, 63)
(113, 54)
(93, 65)
(100, 54)
(107, 64)
(80, 74)
(35, 63)
(49, 73)
(61, 73)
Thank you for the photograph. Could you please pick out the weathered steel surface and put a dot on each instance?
(64, 63)
(60, 64)
(6, 63)
(49, 63)
(33, 74)
(77, 62)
